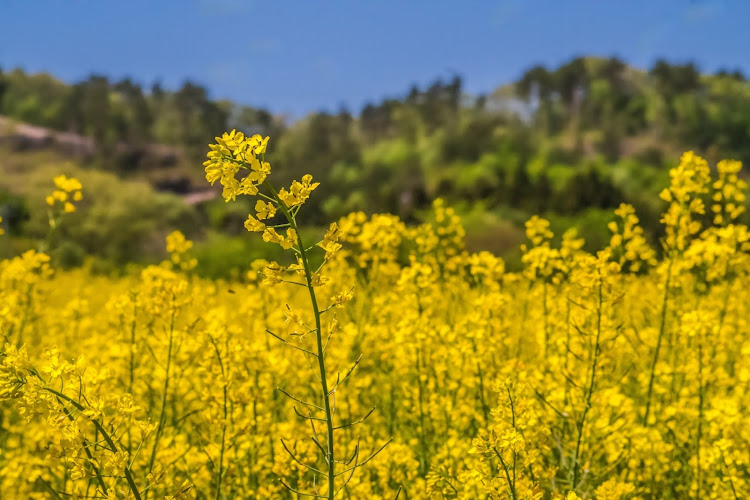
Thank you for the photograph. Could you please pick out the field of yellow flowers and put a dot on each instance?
(385, 361)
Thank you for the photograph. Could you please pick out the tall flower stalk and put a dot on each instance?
(689, 181)
(232, 154)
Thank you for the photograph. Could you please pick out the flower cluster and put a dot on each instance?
(690, 180)
(232, 152)
(178, 247)
(628, 245)
(68, 191)
(540, 260)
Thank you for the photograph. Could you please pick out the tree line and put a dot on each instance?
(547, 142)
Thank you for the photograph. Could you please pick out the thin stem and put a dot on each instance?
(330, 456)
(507, 475)
(590, 390)
(132, 362)
(162, 412)
(107, 438)
(224, 421)
(662, 323)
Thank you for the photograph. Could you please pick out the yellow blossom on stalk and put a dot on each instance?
(728, 193)
(290, 240)
(271, 236)
(375, 242)
(541, 261)
(165, 290)
(595, 270)
(689, 181)
(330, 241)
(628, 245)
(614, 490)
(342, 298)
(233, 152)
(446, 235)
(14, 371)
(486, 267)
(330, 248)
(68, 192)
(1, 229)
(571, 244)
(299, 192)
(333, 234)
(254, 225)
(177, 243)
(318, 279)
(537, 230)
(178, 247)
(30, 268)
(718, 254)
(273, 273)
(265, 210)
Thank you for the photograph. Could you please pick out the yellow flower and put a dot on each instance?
(299, 192)
(537, 230)
(342, 298)
(273, 273)
(68, 191)
(271, 236)
(265, 210)
(253, 224)
(231, 153)
(330, 248)
(290, 240)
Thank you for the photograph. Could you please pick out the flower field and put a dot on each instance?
(385, 361)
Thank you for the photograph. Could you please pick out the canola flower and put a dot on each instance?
(61, 202)
(615, 374)
(68, 191)
(231, 153)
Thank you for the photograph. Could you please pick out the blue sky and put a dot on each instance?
(295, 57)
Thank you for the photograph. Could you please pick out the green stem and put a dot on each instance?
(546, 318)
(513, 423)
(511, 487)
(162, 412)
(132, 364)
(107, 438)
(662, 323)
(590, 390)
(224, 422)
(701, 398)
(88, 454)
(319, 340)
(132, 346)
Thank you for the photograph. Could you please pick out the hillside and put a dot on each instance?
(570, 142)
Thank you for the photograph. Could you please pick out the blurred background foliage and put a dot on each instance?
(571, 143)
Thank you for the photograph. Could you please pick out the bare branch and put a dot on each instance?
(339, 382)
(368, 458)
(290, 344)
(294, 457)
(308, 416)
(294, 398)
(349, 424)
(301, 493)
